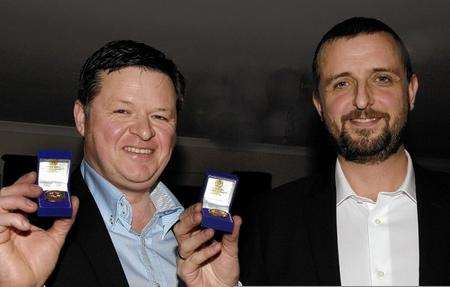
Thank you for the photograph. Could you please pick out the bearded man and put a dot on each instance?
(376, 218)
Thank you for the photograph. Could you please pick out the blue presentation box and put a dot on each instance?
(53, 178)
(218, 194)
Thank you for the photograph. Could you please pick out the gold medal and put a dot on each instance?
(218, 212)
(54, 195)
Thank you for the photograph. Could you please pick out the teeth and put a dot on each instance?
(138, 150)
(364, 120)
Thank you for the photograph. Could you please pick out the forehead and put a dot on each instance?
(354, 54)
(136, 84)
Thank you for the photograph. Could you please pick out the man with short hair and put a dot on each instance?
(376, 218)
(129, 98)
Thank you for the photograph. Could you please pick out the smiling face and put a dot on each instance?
(364, 95)
(129, 132)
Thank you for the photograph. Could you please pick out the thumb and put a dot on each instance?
(230, 241)
(61, 227)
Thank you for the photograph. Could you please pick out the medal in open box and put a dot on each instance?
(218, 196)
(53, 178)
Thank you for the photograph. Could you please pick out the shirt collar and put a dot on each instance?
(106, 195)
(168, 208)
(344, 190)
(115, 208)
(409, 184)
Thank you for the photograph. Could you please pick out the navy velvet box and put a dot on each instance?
(53, 178)
(218, 194)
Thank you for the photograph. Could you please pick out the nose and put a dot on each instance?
(143, 128)
(363, 97)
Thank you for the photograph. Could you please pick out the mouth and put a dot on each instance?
(365, 120)
(139, 151)
(365, 123)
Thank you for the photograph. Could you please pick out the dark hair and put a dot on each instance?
(120, 54)
(351, 28)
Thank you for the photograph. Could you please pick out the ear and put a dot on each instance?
(317, 103)
(413, 86)
(79, 117)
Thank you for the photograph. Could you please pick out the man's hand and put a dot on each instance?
(202, 261)
(28, 254)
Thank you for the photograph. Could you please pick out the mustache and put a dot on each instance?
(364, 114)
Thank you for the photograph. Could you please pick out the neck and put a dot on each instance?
(367, 180)
(142, 208)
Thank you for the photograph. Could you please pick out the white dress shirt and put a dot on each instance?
(378, 242)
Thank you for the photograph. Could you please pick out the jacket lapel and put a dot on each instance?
(320, 217)
(433, 208)
(93, 237)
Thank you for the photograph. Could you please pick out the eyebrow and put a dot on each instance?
(334, 77)
(162, 109)
(158, 109)
(385, 70)
(346, 74)
(125, 102)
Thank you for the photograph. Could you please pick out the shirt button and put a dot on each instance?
(378, 221)
(111, 219)
(380, 274)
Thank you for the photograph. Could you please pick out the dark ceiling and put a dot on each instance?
(247, 62)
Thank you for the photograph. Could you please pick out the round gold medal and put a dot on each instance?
(218, 212)
(54, 195)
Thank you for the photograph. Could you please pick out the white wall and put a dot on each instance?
(191, 158)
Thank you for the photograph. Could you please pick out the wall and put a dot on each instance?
(191, 157)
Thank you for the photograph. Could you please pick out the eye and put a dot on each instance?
(160, 117)
(383, 79)
(341, 85)
(121, 111)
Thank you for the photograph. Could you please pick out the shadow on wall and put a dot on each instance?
(280, 112)
(290, 117)
(212, 110)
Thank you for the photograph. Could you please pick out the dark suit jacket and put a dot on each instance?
(291, 239)
(88, 257)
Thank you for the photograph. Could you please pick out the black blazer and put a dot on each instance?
(291, 237)
(88, 257)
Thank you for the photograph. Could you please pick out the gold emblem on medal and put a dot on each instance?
(218, 187)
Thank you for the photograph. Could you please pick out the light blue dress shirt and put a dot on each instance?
(148, 258)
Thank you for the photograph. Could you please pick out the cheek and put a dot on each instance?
(392, 103)
(337, 106)
(109, 132)
(170, 137)
(167, 138)
(115, 130)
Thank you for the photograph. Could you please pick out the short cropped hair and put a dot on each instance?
(351, 28)
(117, 55)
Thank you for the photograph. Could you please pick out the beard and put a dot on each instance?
(362, 145)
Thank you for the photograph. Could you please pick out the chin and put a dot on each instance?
(140, 178)
(139, 175)
(137, 183)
